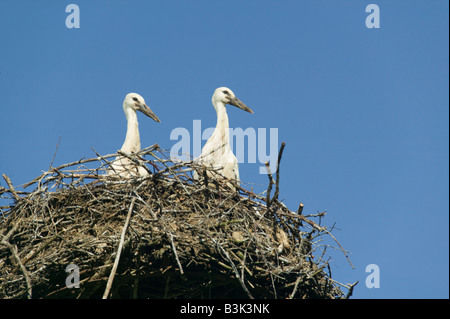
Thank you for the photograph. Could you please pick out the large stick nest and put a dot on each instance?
(159, 236)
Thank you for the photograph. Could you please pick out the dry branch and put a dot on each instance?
(119, 252)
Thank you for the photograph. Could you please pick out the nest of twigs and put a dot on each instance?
(159, 236)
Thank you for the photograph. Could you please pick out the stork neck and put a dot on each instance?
(222, 126)
(132, 140)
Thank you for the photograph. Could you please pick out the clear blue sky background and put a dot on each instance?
(364, 112)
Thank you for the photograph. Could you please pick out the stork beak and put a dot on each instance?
(238, 103)
(146, 110)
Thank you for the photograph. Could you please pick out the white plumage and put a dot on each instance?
(122, 166)
(217, 154)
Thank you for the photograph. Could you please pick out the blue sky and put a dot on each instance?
(363, 112)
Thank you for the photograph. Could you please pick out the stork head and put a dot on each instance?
(137, 103)
(226, 96)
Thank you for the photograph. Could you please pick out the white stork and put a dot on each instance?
(123, 166)
(217, 154)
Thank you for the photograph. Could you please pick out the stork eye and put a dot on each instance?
(135, 99)
(226, 92)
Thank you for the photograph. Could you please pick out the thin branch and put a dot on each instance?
(175, 252)
(119, 251)
(54, 155)
(107, 162)
(11, 187)
(300, 209)
(271, 182)
(295, 287)
(148, 149)
(14, 252)
(236, 272)
(277, 185)
(350, 290)
(135, 160)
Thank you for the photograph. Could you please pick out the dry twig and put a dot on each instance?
(119, 251)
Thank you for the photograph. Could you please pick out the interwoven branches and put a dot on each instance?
(159, 236)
